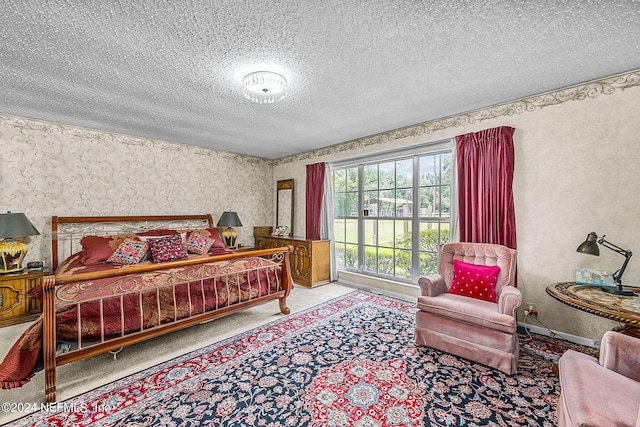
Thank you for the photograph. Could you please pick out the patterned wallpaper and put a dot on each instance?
(53, 169)
(579, 92)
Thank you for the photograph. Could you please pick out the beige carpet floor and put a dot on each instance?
(79, 377)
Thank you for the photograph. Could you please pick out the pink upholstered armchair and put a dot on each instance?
(604, 392)
(480, 327)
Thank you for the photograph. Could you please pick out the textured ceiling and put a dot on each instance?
(173, 69)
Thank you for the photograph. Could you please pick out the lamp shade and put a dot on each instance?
(12, 252)
(16, 225)
(590, 246)
(229, 219)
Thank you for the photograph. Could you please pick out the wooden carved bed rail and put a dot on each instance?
(241, 280)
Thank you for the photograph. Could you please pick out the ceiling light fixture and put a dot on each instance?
(264, 87)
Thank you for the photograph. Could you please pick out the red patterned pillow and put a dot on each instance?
(199, 244)
(167, 248)
(214, 234)
(129, 252)
(97, 249)
(476, 281)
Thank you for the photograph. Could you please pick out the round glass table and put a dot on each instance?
(592, 299)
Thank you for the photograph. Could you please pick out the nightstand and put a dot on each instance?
(17, 305)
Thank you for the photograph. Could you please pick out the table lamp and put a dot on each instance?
(229, 219)
(14, 225)
(590, 246)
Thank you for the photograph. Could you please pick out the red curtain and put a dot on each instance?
(315, 191)
(485, 194)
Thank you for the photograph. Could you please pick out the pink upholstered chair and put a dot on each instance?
(601, 392)
(476, 329)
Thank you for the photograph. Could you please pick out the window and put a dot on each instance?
(392, 213)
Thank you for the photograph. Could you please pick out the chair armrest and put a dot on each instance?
(619, 353)
(510, 298)
(432, 285)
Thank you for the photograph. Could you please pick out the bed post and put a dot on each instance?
(49, 337)
(287, 281)
(54, 243)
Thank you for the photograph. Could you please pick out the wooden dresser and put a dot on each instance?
(310, 264)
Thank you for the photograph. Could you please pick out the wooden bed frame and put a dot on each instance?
(66, 235)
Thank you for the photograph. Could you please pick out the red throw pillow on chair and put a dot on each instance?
(475, 281)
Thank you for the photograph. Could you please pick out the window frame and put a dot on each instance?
(414, 153)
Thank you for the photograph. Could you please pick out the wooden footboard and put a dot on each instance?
(191, 291)
(255, 293)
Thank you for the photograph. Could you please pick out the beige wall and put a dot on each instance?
(577, 170)
(51, 169)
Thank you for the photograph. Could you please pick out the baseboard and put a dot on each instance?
(362, 281)
(569, 337)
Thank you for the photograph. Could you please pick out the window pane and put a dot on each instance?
(371, 259)
(403, 263)
(387, 175)
(445, 160)
(429, 236)
(429, 170)
(404, 173)
(351, 230)
(339, 180)
(371, 203)
(429, 202)
(387, 203)
(371, 177)
(444, 232)
(385, 260)
(352, 179)
(351, 256)
(385, 233)
(370, 232)
(340, 254)
(403, 234)
(428, 263)
(445, 202)
(404, 203)
(339, 229)
(339, 205)
(351, 208)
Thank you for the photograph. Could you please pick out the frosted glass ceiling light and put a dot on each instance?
(264, 87)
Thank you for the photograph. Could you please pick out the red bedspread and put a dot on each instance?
(179, 292)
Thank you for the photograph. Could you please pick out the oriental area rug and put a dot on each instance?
(348, 362)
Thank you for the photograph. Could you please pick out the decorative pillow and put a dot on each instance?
(199, 244)
(145, 236)
(97, 249)
(129, 252)
(167, 248)
(476, 281)
(160, 232)
(214, 234)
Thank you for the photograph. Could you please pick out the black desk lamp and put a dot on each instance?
(590, 246)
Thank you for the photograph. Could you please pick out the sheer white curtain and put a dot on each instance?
(326, 220)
